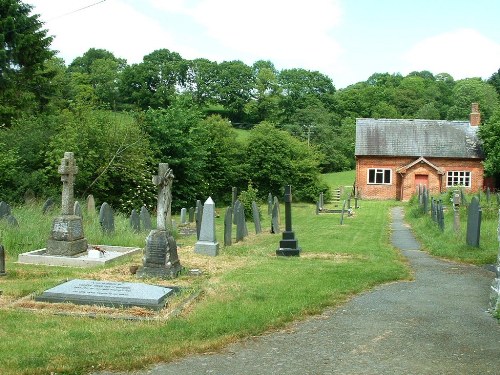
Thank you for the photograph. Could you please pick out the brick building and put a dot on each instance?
(394, 156)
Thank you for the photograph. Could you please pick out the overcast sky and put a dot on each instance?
(348, 40)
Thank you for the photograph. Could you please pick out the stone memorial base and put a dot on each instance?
(289, 246)
(160, 256)
(110, 254)
(108, 293)
(168, 272)
(66, 237)
(206, 248)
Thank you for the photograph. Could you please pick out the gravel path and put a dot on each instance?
(436, 324)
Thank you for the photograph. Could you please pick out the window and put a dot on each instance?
(379, 176)
(458, 178)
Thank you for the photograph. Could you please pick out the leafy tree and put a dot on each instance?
(24, 48)
(201, 81)
(494, 80)
(472, 90)
(489, 133)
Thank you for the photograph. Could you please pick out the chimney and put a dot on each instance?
(475, 116)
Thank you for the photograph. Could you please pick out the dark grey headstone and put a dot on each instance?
(145, 219)
(106, 218)
(473, 223)
(198, 217)
(4, 209)
(108, 293)
(228, 226)
(191, 214)
(440, 215)
(12, 221)
(184, 216)
(135, 221)
(77, 209)
(2, 261)
(269, 204)
(256, 217)
(48, 206)
(275, 225)
(239, 217)
(234, 195)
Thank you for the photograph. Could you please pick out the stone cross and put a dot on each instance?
(164, 182)
(68, 170)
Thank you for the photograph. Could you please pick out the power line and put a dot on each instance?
(77, 10)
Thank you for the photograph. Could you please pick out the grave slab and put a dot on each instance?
(108, 293)
(111, 253)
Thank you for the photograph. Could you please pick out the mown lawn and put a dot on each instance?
(246, 290)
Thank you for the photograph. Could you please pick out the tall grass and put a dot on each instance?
(246, 290)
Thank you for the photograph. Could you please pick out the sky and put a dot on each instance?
(347, 40)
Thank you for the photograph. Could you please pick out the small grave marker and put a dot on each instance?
(473, 223)
(5, 209)
(77, 209)
(48, 206)
(106, 218)
(135, 221)
(90, 204)
(228, 226)
(145, 219)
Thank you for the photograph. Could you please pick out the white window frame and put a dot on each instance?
(379, 172)
(459, 178)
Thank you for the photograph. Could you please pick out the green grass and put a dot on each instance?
(340, 178)
(257, 292)
(451, 244)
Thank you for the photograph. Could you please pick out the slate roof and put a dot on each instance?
(427, 138)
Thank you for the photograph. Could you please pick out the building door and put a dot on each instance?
(421, 179)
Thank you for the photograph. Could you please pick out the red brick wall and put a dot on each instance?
(403, 186)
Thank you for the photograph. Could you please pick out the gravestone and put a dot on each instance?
(275, 225)
(191, 214)
(145, 219)
(77, 209)
(234, 196)
(2, 261)
(289, 245)
(277, 204)
(207, 243)
(495, 285)
(342, 213)
(29, 196)
(12, 221)
(321, 201)
(269, 204)
(160, 255)
(239, 220)
(48, 206)
(256, 218)
(198, 216)
(67, 236)
(440, 215)
(90, 204)
(5, 209)
(106, 218)
(228, 226)
(473, 223)
(135, 221)
(108, 293)
(183, 216)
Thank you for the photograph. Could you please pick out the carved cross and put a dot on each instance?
(164, 183)
(68, 170)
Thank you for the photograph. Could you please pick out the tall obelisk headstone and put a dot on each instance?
(289, 245)
(207, 243)
(160, 257)
(67, 237)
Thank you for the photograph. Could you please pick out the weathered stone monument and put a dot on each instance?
(473, 223)
(107, 218)
(207, 243)
(288, 245)
(234, 196)
(191, 214)
(77, 209)
(183, 216)
(228, 226)
(145, 219)
(256, 218)
(48, 206)
(12, 221)
(198, 216)
(2, 261)
(135, 221)
(275, 222)
(90, 204)
(160, 255)
(66, 236)
(269, 204)
(495, 285)
(239, 220)
(4, 209)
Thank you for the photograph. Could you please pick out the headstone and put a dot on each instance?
(321, 201)
(289, 245)
(5, 209)
(191, 214)
(275, 225)
(228, 226)
(183, 216)
(440, 215)
(277, 204)
(495, 285)
(198, 217)
(108, 293)
(473, 223)
(145, 219)
(29, 196)
(456, 219)
(106, 218)
(12, 221)
(234, 196)
(240, 221)
(269, 204)
(160, 255)
(342, 213)
(67, 236)
(77, 209)
(135, 221)
(207, 243)
(48, 206)
(90, 204)
(2, 261)
(456, 199)
(256, 218)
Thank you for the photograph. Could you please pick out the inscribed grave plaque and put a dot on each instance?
(108, 293)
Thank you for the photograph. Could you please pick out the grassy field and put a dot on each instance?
(246, 290)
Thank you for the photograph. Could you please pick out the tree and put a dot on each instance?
(489, 133)
(494, 80)
(24, 48)
(472, 90)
